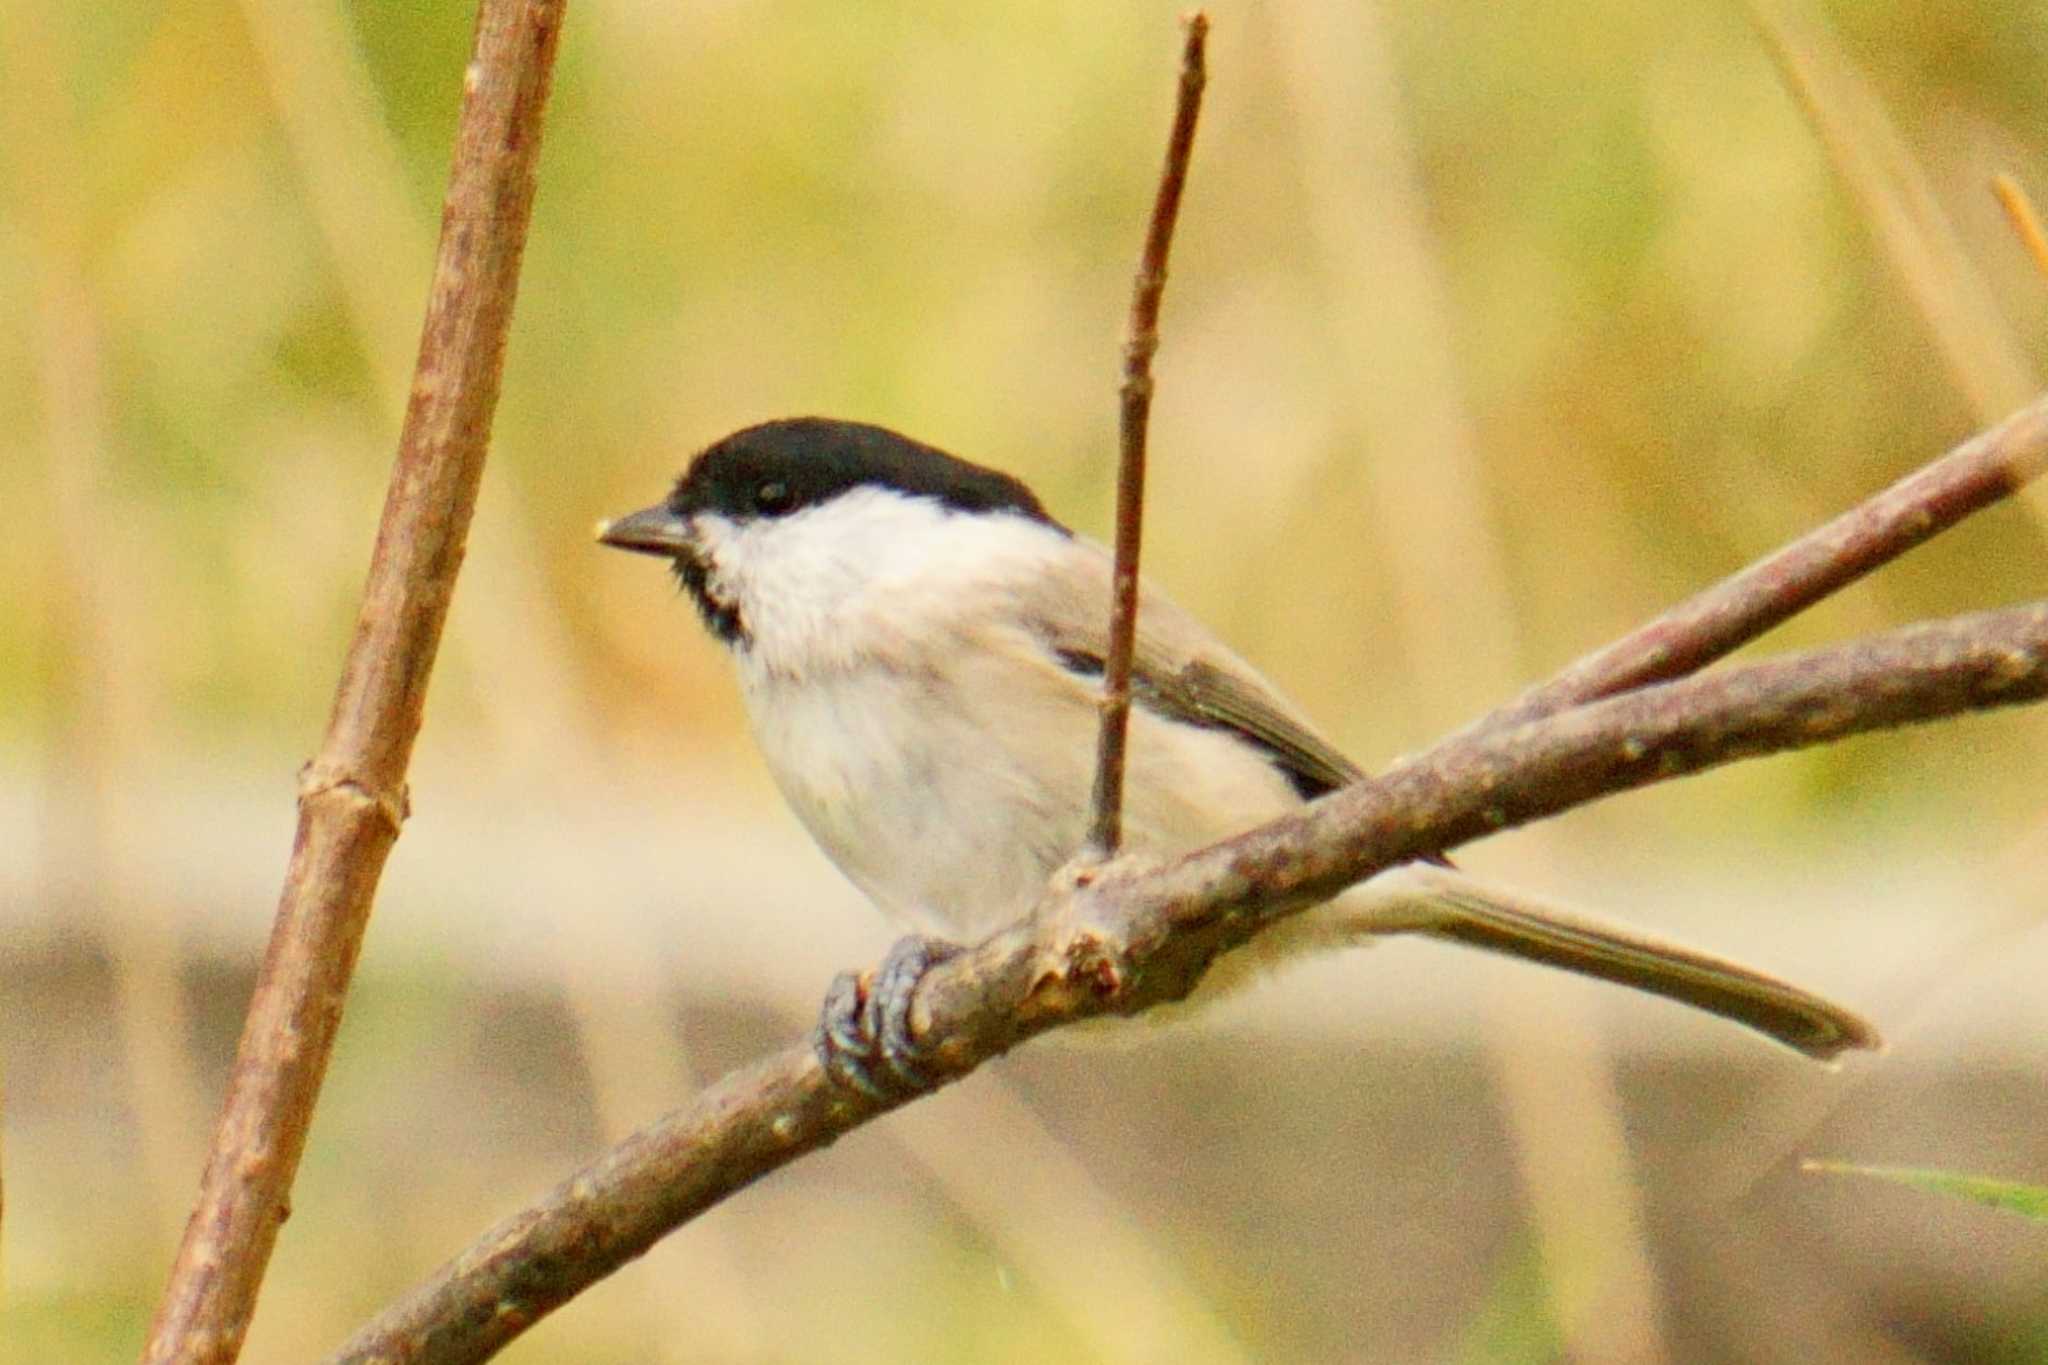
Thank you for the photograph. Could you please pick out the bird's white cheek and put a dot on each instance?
(719, 588)
(714, 537)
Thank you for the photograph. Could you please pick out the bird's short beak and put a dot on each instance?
(653, 531)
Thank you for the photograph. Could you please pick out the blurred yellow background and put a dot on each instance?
(1492, 330)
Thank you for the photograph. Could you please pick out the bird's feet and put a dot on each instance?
(863, 1035)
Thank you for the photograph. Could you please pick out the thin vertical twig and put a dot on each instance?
(1106, 832)
(352, 796)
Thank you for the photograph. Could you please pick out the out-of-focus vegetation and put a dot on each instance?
(1492, 330)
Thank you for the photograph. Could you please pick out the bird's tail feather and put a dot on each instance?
(1459, 908)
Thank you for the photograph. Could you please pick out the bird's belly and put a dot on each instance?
(926, 812)
(951, 819)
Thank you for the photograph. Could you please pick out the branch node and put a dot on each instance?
(318, 779)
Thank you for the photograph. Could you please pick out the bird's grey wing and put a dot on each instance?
(1202, 692)
(1183, 673)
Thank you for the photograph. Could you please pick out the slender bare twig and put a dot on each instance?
(352, 795)
(1124, 940)
(1983, 470)
(2026, 224)
(1106, 832)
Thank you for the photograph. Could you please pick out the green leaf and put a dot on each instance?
(2030, 1201)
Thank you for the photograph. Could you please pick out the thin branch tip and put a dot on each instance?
(1105, 834)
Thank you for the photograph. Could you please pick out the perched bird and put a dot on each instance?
(921, 647)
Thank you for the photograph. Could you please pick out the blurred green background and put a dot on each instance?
(1492, 330)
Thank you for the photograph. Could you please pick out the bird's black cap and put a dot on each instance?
(782, 467)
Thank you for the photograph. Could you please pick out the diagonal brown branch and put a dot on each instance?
(1126, 939)
(352, 796)
(1106, 832)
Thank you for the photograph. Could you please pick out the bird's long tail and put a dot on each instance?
(1448, 904)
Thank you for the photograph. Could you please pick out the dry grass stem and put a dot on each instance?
(1896, 198)
(2026, 224)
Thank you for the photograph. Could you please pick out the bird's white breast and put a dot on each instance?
(932, 744)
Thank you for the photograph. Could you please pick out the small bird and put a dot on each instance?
(921, 647)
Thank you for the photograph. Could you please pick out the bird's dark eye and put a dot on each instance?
(772, 497)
